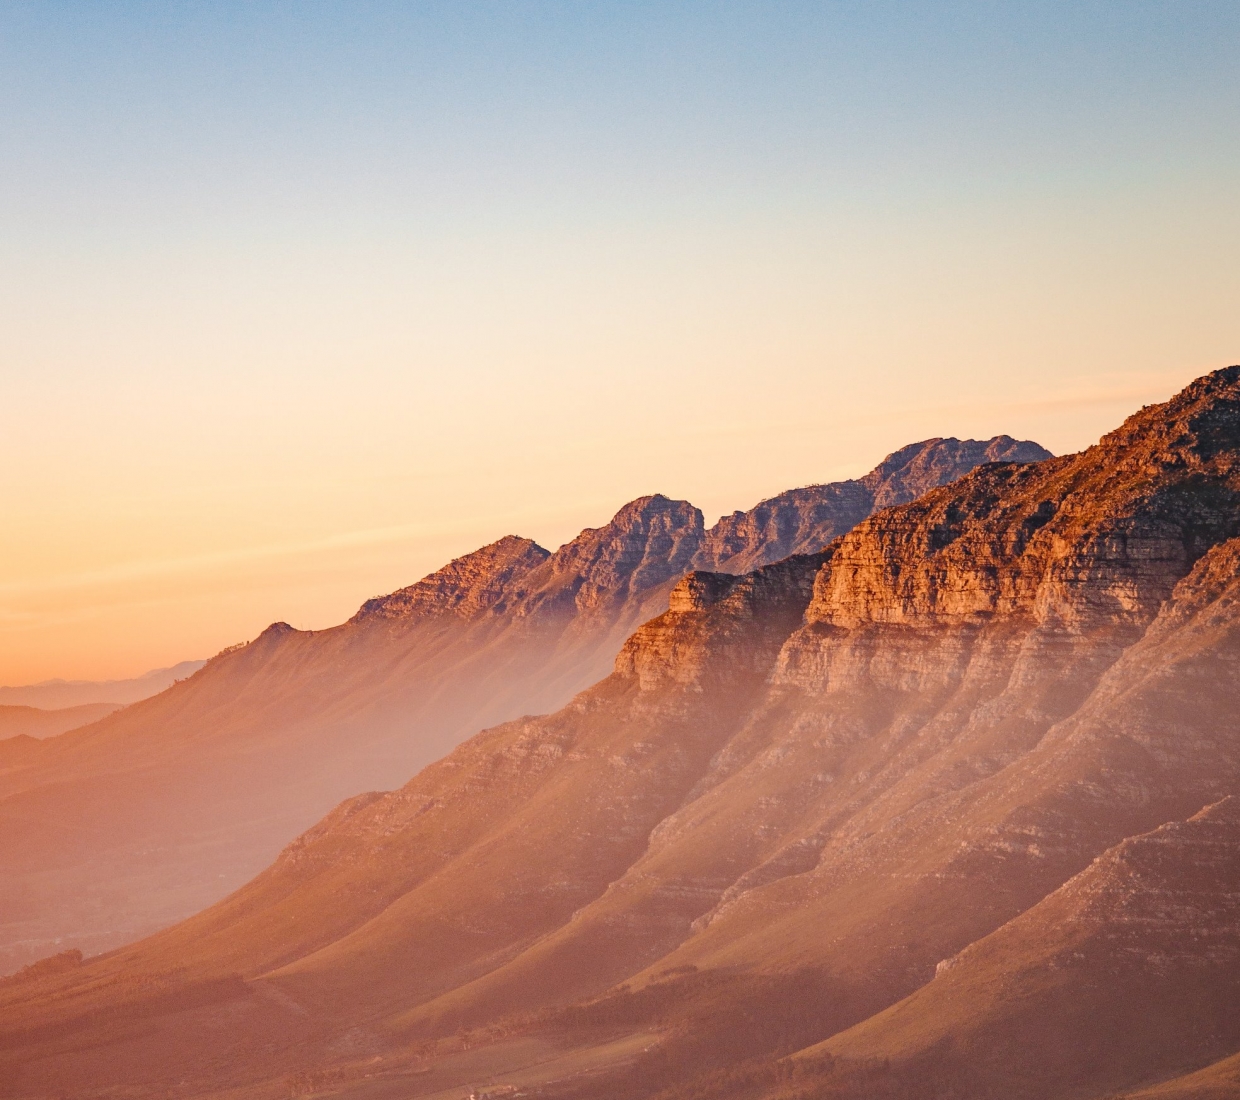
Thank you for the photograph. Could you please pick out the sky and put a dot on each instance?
(300, 301)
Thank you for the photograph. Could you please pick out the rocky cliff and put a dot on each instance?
(469, 587)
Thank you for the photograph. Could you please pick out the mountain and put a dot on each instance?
(802, 521)
(157, 811)
(920, 814)
(62, 694)
(34, 722)
(1218, 1081)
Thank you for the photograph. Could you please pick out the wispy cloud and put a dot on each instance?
(196, 563)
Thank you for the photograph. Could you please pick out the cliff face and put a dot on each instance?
(648, 544)
(799, 792)
(916, 469)
(1097, 538)
(468, 587)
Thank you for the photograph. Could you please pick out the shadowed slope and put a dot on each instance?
(1128, 972)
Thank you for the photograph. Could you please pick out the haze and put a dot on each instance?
(299, 302)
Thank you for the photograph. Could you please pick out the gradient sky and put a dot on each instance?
(298, 301)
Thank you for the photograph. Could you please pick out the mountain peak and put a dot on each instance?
(911, 471)
(649, 541)
(1098, 537)
(468, 586)
(1199, 424)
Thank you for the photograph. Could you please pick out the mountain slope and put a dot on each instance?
(182, 796)
(463, 868)
(151, 814)
(799, 791)
(1128, 972)
(1218, 1081)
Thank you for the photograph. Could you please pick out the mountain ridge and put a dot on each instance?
(186, 795)
(61, 694)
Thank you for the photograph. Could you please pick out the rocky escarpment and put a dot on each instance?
(911, 471)
(653, 540)
(750, 615)
(468, 586)
(805, 520)
(632, 560)
(648, 544)
(1100, 536)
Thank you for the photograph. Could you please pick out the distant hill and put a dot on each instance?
(59, 694)
(34, 722)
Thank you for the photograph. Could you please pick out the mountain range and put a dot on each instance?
(37, 722)
(131, 823)
(943, 806)
(64, 694)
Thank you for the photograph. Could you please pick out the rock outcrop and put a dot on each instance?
(470, 586)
